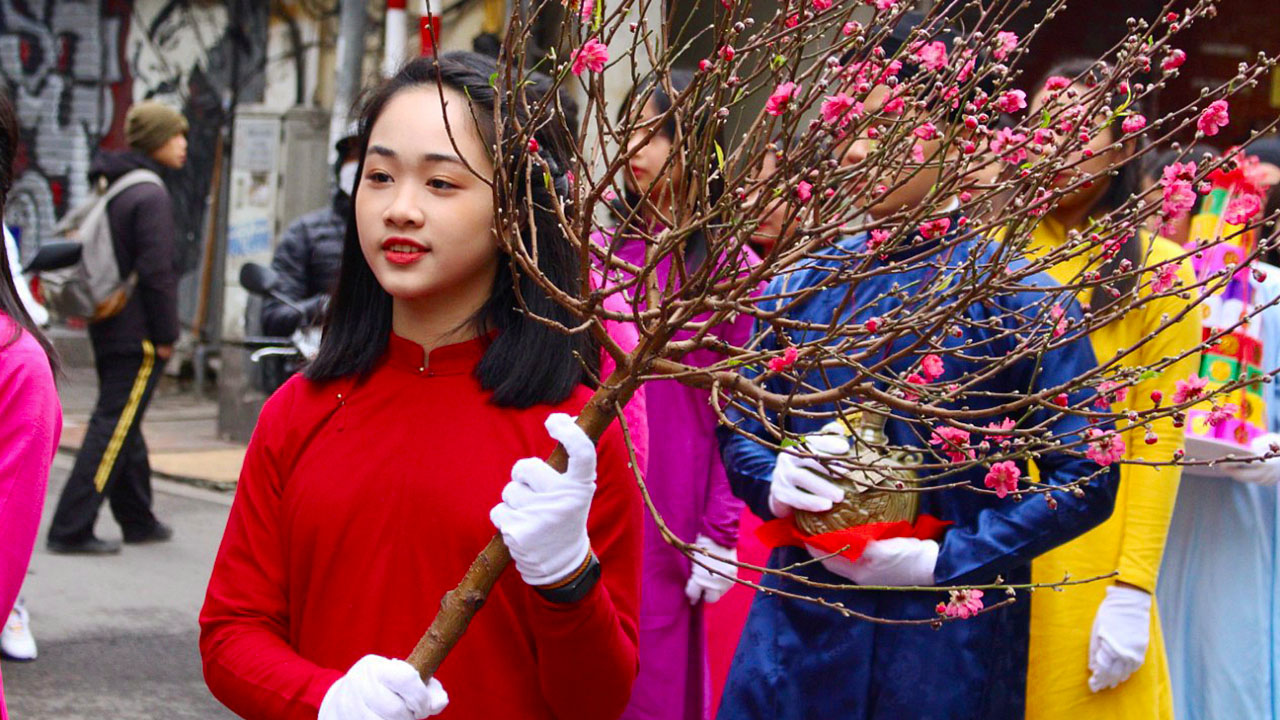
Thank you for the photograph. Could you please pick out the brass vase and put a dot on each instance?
(871, 468)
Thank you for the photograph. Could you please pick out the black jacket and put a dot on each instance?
(144, 234)
(306, 264)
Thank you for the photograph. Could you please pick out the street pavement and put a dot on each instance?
(117, 635)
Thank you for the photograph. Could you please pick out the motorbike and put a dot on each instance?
(291, 352)
(53, 256)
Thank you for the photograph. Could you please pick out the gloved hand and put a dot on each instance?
(705, 585)
(379, 688)
(543, 513)
(893, 561)
(1121, 631)
(1258, 472)
(795, 485)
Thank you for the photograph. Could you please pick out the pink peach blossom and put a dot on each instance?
(778, 364)
(931, 366)
(1000, 430)
(931, 56)
(1189, 389)
(781, 98)
(1060, 320)
(1214, 118)
(1178, 198)
(1007, 139)
(839, 109)
(1133, 123)
(1165, 277)
(938, 227)
(1104, 448)
(953, 442)
(1175, 186)
(894, 105)
(1012, 101)
(963, 604)
(1173, 60)
(591, 56)
(878, 238)
(804, 191)
(1113, 392)
(1006, 42)
(1003, 478)
(1219, 414)
(1056, 82)
(1242, 208)
(927, 131)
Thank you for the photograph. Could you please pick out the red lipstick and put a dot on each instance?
(403, 251)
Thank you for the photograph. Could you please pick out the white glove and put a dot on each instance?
(795, 485)
(1121, 631)
(379, 688)
(1258, 472)
(894, 561)
(543, 513)
(705, 585)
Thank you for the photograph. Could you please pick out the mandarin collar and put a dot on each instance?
(457, 359)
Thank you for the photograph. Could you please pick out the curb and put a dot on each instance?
(208, 483)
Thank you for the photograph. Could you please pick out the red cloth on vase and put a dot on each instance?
(849, 542)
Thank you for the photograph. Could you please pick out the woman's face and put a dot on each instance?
(1076, 167)
(916, 181)
(425, 219)
(773, 210)
(645, 172)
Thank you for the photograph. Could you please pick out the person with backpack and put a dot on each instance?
(131, 344)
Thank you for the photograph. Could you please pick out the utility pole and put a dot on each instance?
(393, 42)
(351, 29)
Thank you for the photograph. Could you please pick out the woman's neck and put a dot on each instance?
(1074, 218)
(435, 322)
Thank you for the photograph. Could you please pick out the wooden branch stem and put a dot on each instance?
(460, 604)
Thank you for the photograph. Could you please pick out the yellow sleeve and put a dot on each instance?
(1150, 491)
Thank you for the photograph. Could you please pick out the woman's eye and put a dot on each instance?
(440, 184)
(378, 176)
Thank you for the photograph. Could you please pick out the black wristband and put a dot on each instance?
(578, 588)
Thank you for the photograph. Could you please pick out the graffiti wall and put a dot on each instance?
(73, 67)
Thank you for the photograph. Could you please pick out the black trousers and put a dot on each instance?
(112, 462)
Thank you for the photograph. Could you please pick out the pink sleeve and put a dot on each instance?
(30, 424)
(634, 412)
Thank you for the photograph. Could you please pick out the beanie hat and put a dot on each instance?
(149, 125)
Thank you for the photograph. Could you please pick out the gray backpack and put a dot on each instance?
(92, 289)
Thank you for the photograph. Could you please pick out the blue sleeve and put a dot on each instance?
(747, 463)
(1010, 534)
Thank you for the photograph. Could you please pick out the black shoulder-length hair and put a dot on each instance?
(10, 303)
(528, 362)
(1124, 184)
(697, 125)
